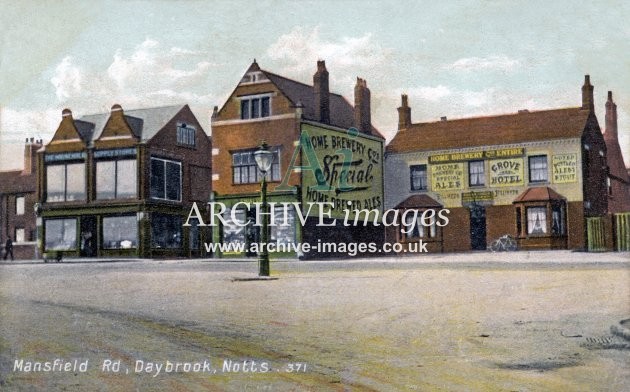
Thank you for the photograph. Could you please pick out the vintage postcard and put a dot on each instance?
(314, 196)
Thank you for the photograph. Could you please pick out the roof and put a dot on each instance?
(419, 201)
(16, 182)
(524, 126)
(144, 123)
(539, 194)
(341, 111)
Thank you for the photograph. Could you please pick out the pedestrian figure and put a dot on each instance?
(8, 248)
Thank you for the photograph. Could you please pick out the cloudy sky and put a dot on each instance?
(455, 58)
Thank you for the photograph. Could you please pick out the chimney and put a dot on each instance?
(404, 113)
(443, 119)
(215, 113)
(587, 94)
(610, 132)
(322, 93)
(30, 155)
(362, 117)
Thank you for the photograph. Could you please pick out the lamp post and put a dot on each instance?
(264, 160)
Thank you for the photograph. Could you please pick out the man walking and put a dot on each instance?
(8, 248)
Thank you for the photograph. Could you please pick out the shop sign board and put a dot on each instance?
(506, 172)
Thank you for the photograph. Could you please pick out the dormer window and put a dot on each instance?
(255, 106)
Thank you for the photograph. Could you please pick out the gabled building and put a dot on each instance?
(291, 116)
(122, 183)
(539, 176)
(18, 198)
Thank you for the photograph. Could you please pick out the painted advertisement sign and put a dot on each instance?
(447, 176)
(344, 168)
(564, 168)
(506, 172)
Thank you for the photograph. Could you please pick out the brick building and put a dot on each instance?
(536, 175)
(122, 184)
(18, 197)
(290, 115)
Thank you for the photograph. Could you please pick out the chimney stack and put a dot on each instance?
(322, 93)
(610, 132)
(404, 113)
(587, 94)
(362, 116)
(30, 155)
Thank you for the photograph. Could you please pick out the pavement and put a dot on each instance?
(517, 257)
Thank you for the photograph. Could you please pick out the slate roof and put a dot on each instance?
(492, 130)
(144, 123)
(418, 201)
(341, 111)
(542, 193)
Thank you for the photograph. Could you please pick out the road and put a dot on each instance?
(457, 323)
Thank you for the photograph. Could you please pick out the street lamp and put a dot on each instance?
(264, 160)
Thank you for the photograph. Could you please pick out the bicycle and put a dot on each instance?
(505, 243)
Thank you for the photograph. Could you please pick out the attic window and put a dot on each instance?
(255, 106)
(185, 135)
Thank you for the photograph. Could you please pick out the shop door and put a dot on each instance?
(478, 227)
(88, 236)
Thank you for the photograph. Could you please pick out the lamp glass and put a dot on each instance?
(264, 159)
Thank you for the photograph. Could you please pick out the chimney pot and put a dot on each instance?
(443, 118)
(587, 94)
(66, 113)
(116, 108)
(404, 113)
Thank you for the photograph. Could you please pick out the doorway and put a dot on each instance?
(88, 236)
(477, 227)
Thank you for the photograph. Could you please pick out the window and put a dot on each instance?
(245, 170)
(536, 220)
(116, 179)
(65, 182)
(609, 186)
(120, 232)
(193, 235)
(280, 233)
(19, 205)
(538, 168)
(166, 179)
(418, 230)
(166, 231)
(234, 230)
(255, 107)
(186, 135)
(476, 175)
(61, 234)
(418, 175)
(557, 219)
(20, 235)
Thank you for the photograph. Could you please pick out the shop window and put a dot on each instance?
(120, 232)
(234, 230)
(418, 229)
(19, 205)
(186, 135)
(476, 174)
(538, 168)
(65, 182)
(166, 231)
(280, 233)
(255, 107)
(418, 174)
(61, 234)
(20, 235)
(166, 179)
(537, 220)
(116, 179)
(245, 170)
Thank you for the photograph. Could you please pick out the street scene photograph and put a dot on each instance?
(314, 196)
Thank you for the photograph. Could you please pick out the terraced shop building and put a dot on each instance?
(289, 116)
(122, 184)
(536, 175)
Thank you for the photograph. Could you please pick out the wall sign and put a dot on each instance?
(347, 170)
(564, 168)
(447, 176)
(506, 172)
(475, 155)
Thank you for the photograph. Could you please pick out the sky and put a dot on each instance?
(452, 58)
